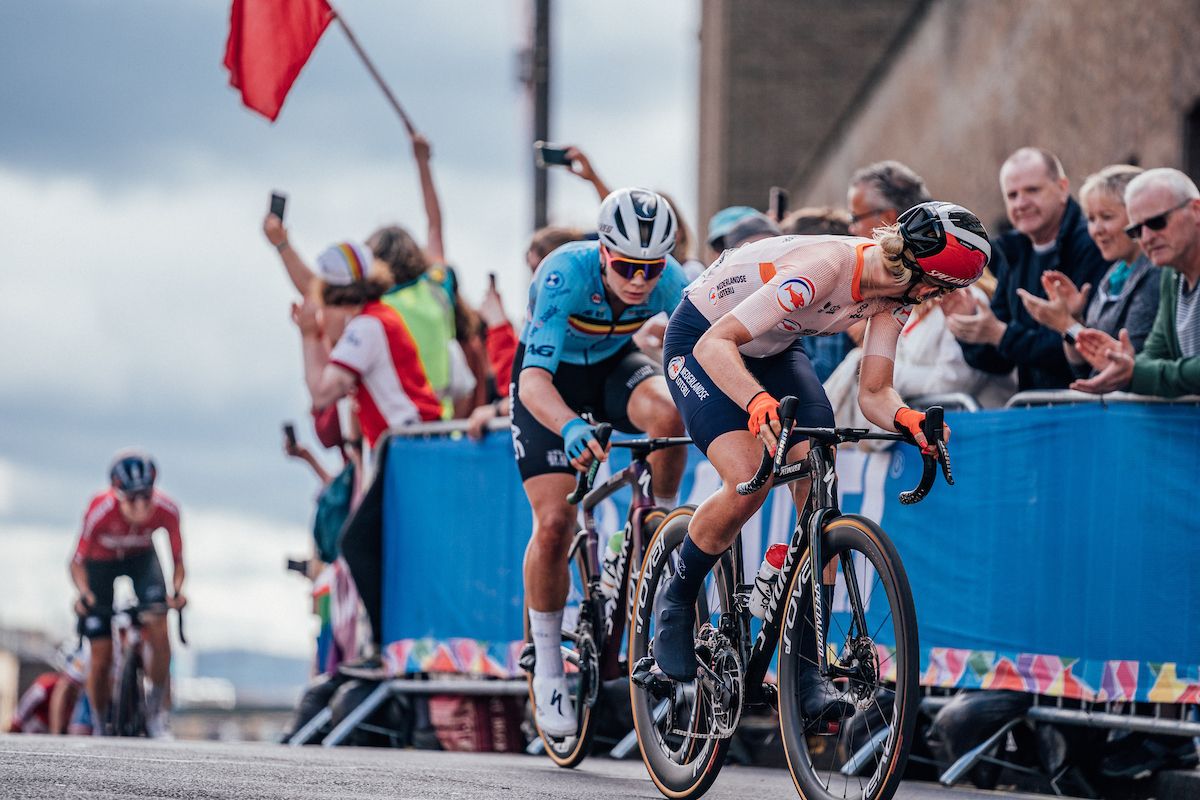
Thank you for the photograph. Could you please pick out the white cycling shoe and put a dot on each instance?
(554, 711)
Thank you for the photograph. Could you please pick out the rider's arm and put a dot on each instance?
(877, 397)
(433, 209)
(79, 578)
(538, 394)
(717, 352)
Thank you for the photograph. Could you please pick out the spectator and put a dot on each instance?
(816, 221)
(1164, 209)
(1049, 233)
(737, 225)
(879, 193)
(373, 354)
(928, 361)
(825, 352)
(1128, 295)
(546, 240)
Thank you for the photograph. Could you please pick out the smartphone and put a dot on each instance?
(278, 204)
(492, 280)
(777, 206)
(294, 565)
(546, 154)
(289, 433)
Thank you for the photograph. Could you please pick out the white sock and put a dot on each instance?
(667, 502)
(546, 627)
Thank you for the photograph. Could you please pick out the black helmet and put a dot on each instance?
(133, 473)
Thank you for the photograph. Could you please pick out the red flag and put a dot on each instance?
(269, 43)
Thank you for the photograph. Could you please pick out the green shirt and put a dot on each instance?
(425, 308)
(1161, 369)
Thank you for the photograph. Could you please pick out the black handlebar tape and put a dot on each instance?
(583, 484)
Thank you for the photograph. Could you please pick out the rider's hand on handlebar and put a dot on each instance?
(908, 422)
(84, 603)
(177, 601)
(579, 441)
(764, 419)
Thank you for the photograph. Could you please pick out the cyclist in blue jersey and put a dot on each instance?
(576, 357)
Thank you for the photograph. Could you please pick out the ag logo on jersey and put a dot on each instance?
(674, 367)
(795, 293)
(901, 314)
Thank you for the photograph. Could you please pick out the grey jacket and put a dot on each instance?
(1133, 309)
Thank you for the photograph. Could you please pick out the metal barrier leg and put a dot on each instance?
(360, 712)
(972, 757)
(310, 728)
(624, 747)
(867, 751)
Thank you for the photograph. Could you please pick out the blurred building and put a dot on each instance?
(800, 94)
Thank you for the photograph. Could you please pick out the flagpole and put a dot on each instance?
(375, 74)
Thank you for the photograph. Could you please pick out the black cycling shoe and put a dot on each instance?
(675, 642)
(819, 698)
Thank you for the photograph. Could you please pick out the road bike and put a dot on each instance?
(854, 613)
(594, 622)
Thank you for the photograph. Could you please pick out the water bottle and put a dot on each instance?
(608, 572)
(764, 582)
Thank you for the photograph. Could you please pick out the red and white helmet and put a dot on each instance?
(949, 244)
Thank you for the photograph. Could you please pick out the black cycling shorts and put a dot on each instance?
(706, 411)
(600, 391)
(148, 584)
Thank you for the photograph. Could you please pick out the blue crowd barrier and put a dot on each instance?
(1060, 563)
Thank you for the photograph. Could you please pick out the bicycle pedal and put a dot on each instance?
(528, 658)
(647, 676)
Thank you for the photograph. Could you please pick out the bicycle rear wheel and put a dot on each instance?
(581, 659)
(129, 707)
(866, 756)
(675, 724)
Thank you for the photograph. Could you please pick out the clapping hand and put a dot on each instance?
(1059, 287)
(306, 316)
(1117, 369)
(980, 327)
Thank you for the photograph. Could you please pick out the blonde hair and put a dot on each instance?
(894, 250)
(1110, 181)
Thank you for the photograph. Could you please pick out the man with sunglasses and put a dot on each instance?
(576, 357)
(1164, 209)
(115, 541)
(1050, 233)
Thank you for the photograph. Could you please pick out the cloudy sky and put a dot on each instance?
(142, 305)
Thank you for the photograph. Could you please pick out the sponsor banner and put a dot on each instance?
(1061, 563)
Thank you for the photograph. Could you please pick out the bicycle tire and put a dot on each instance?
(129, 710)
(817, 770)
(699, 760)
(570, 751)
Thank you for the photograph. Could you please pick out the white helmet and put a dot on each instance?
(637, 223)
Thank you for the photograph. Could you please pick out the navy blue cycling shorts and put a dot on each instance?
(706, 411)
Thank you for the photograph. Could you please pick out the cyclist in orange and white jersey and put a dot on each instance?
(733, 346)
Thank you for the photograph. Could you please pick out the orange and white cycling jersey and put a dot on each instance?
(790, 286)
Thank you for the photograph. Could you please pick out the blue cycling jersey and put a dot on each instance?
(569, 318)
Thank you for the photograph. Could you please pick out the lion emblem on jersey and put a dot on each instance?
(795, 293)
(674, 367)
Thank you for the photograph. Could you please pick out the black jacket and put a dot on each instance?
(1034, 350)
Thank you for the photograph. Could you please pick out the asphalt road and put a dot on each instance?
(71, 767)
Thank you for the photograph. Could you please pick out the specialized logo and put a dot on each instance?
(554, 280)
(795, 293)
(788, 325)
(640, 374)
(644, 204)
(674, 366)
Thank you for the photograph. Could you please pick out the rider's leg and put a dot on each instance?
(547, 581)
(158, 662)
(652, 410)
(715, 526)
(99, 680)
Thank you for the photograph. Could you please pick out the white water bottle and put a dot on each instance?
(764, 582)
(608, 571)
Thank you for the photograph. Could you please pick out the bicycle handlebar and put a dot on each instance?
(584, 484)
(771, 465)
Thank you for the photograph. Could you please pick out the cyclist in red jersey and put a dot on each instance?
(116, 540)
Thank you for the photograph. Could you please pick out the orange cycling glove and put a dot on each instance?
(763, 409)
(908, 420)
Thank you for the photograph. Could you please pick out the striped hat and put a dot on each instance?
(343, 263)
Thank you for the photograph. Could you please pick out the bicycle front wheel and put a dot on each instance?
(872, 640)
(129, 707)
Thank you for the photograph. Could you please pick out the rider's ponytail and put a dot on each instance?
(892, 245)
